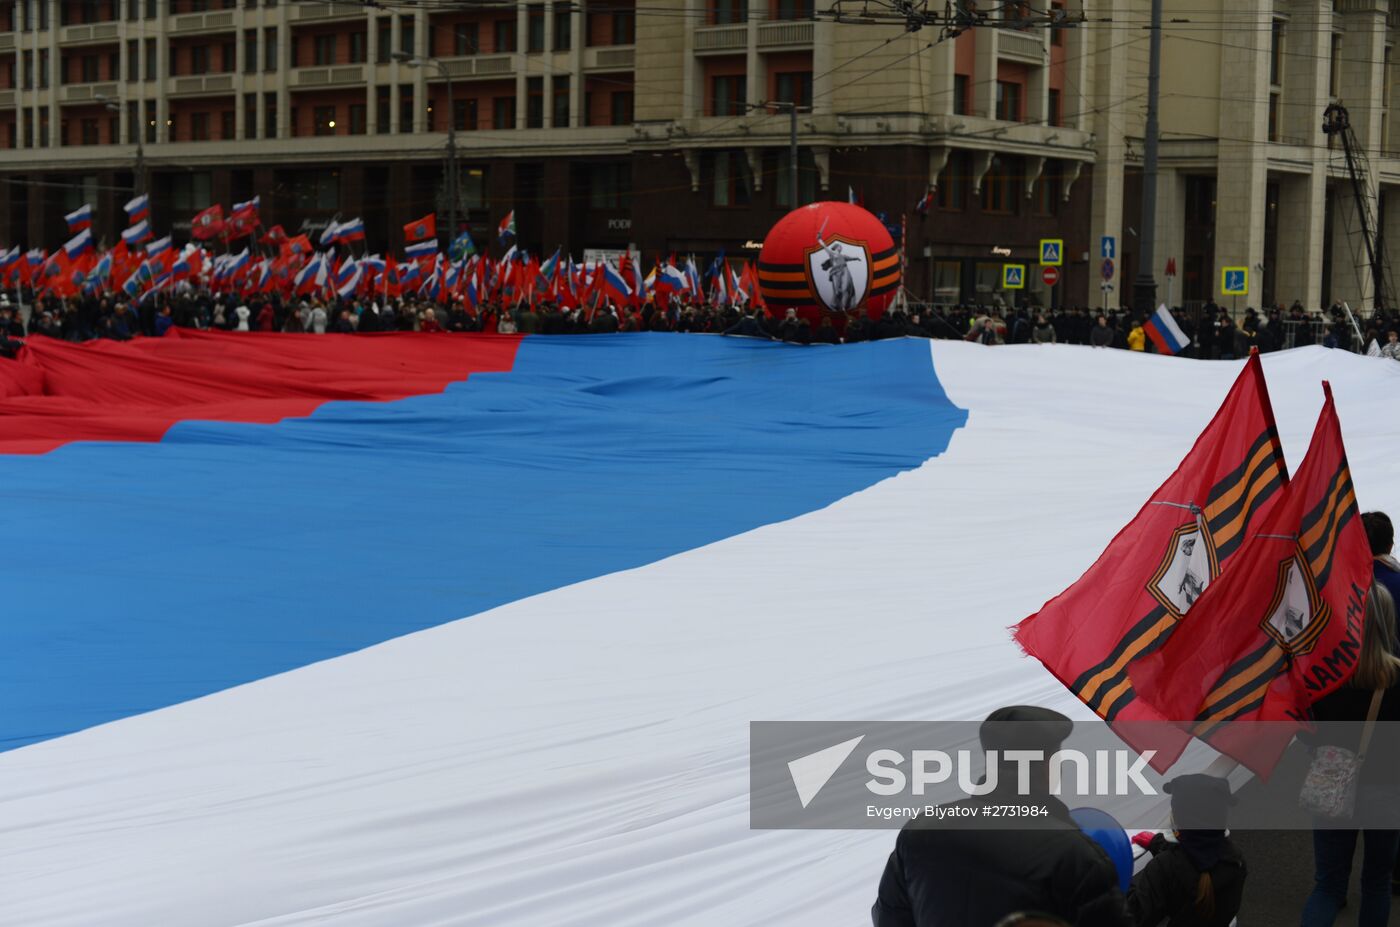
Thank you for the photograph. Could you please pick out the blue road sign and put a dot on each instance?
(1052, 251)
(1108, 247)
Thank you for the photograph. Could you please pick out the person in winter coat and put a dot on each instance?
(242, 314)
(1377, 669)
(1101, 335)
(1137, 338)
(1043, 332)
(317, 320)
(267, 318)
(1197, 880)
(949, 875)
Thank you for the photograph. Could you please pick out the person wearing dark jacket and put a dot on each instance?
(1377, 798)
(749, 326)
(1381, 535)
(1198, 881)
(941, 875)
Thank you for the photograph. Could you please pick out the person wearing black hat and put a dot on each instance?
(973, 875)
(1198, 881)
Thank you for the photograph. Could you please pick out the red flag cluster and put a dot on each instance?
(1235, 595)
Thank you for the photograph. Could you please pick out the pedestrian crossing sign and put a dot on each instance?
(1013, 276)
(1234, 281)
(1052, 252)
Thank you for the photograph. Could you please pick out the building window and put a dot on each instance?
(535, 22)
(1008, 101)
(1053, 115)
(621, 114)
(383, 116)
(323, 50)
(88, 69)
(1334, 70)
(560, 102)
(1045, 196)
(732, 184)
(150, 58)
(133, 61)
(199, 59)
(270, 114)
(1057, 36)
(250, 115)
(534, 103)
(250, 51)
(199, 127)
(43, 68)
(406, 43)
(794, 87)
(270, 48)
(316, 190)
(806, 179)
(464, 39)
(463, 113)
(953, 183)
(384, 47)
(563, 28)
(1273, 116)
(624, 26)
(228, 57)
(359, 47)
(89, 130)
(609, 186)
(405, 113)
(728, 94)
(728, 12)
(189, 192)
(359, 117)
(505, 36)
(228, 124)
(1276, 53)
(503, 113)
(999, 187)
(792, 9)
(962, 95)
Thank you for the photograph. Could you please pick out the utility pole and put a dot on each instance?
(1145, 284)
(415, 61)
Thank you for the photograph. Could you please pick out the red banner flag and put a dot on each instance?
(208, 224)
(421, 229)
(1282, 627)
(1130, 601)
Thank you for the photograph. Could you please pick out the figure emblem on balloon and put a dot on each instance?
(839, 273)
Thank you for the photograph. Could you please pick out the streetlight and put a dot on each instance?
(416, 61)
(139, 182)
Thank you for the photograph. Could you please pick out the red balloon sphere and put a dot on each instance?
(829, 258)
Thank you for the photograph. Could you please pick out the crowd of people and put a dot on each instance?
(1213, 331)
(1054, 874)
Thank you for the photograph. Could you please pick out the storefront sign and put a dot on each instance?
(619, 225)
(1000, 251)
(752, 245)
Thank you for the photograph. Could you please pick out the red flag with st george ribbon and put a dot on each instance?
(208, 224)
(1130, 601)
(1282, 627)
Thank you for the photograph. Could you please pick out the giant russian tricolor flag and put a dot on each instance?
(407, 629)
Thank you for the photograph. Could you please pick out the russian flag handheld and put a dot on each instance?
(421, 249)
(139, 232)
(79, 219)
(138, 208)
(1165, 333)
(79, 244)
(507, 227)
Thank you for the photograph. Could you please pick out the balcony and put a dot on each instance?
(724, 39)
(7, 41)
(1026, 47)
(80, 35)
(340, 76)
(477, 66)
(606, 58)
(7, 98)
(784, 35)
(198, 86)
(202, 22)
(86, 93)
(321, 11)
